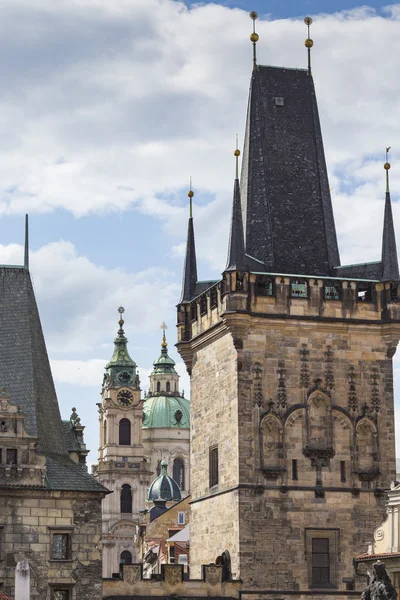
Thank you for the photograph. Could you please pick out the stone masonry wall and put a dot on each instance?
(28, 519)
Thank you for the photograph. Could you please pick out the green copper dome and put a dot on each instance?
(166, 411)
(164, 487)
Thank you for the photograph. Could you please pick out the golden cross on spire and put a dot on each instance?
(386, 166)
(164, 339)
(254, 38)
(308, 43)
(190, 194)
(237, 154)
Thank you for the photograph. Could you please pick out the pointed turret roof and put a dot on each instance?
(190, 268)
(236, 250)
(287, 210)
(164, 363)
(121, 357)
(390, 265)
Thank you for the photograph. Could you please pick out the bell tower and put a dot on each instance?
(122, 467)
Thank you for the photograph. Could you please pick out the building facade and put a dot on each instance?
(290, 357)
(136, 434)
(50, 508)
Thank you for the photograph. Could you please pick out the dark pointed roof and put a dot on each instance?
(236, 251)
(190, 268)
(24, 364)
(390, 265)
(287, 209)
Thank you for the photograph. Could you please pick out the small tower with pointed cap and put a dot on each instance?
(190, 268)
(236, 250)
(121, 464)
(390, 264)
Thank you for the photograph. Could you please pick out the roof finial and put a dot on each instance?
(190, 194)
(164, 339)
(26, 255)
(254, 38)
(308, 43)
(386, 166)
(237, 154)
(121, 311)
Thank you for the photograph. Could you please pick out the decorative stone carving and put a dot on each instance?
(213, 574)
(304, 369)
(375, 400)
(281, 394)
(329, 376)
(257, 384)
(172, 574)
(132, 573)
(352, 398)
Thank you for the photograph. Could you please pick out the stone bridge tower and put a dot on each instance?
(290, 356)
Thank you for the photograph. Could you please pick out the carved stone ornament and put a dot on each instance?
(6, 406)
(172, 574)
(213, 574)
(380, 587)
(132, 574)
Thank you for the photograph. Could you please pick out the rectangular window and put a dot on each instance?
(320, 561)
(181, 518)
(322, 548)
(343, 471)
(294, 470)
(172, 554)
(11, 456)
(298, 288)
(61, 546)
(213, 466)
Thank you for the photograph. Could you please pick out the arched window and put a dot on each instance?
(168, 386)
(158, 386)
(126, 499)
(178, 472)
(125, 558)
(124, 432)
(104, 433)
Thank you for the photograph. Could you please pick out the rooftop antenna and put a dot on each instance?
(308, 43)
(237, 154)
(254, 38)
(26, 254)
(386, 166)
(190, 194)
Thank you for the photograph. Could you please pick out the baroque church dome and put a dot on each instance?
(164, 487)
(164, 406)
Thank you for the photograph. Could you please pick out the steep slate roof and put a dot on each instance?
(25, 373)
(390, 265)
(287, 209)
(70, 438)
(236, 251)
(190, 268)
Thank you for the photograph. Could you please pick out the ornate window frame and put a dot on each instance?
(333, 536)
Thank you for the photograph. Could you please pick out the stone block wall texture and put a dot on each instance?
(27, 520)
(269, 392)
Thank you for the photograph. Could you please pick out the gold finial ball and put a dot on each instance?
(309, 43)
(254, 37)
(253, 15)
(308, 21)
(237, 152)
(386, 166)
(190, 194)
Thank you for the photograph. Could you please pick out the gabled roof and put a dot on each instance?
(287, 210)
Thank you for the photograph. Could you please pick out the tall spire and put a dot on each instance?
(190, 268)
(121, 356)
(26, 253)
(236, 251)
(390, 265)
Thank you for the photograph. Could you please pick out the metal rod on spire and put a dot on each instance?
(308, 43)
(386, 166)
(26, 254)
(237, 154)
(254, 38)
(190, 194)
(164, 339)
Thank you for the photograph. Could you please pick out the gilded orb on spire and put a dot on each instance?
(254, 38)
(309, 42)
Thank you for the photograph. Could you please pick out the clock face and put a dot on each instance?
(124, 376)
(125, 398)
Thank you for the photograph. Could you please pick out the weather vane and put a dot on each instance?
(254, 38)
(308, 43)
(121, 310)
(164, 328)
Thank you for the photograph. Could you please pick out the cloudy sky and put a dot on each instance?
(107, 109)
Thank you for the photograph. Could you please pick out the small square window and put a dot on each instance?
(61, 546)
(279, 101)
(181, 518)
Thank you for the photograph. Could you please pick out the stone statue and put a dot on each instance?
(380, 587)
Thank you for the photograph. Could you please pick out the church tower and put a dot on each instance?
(121, 467)
(290, 356)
